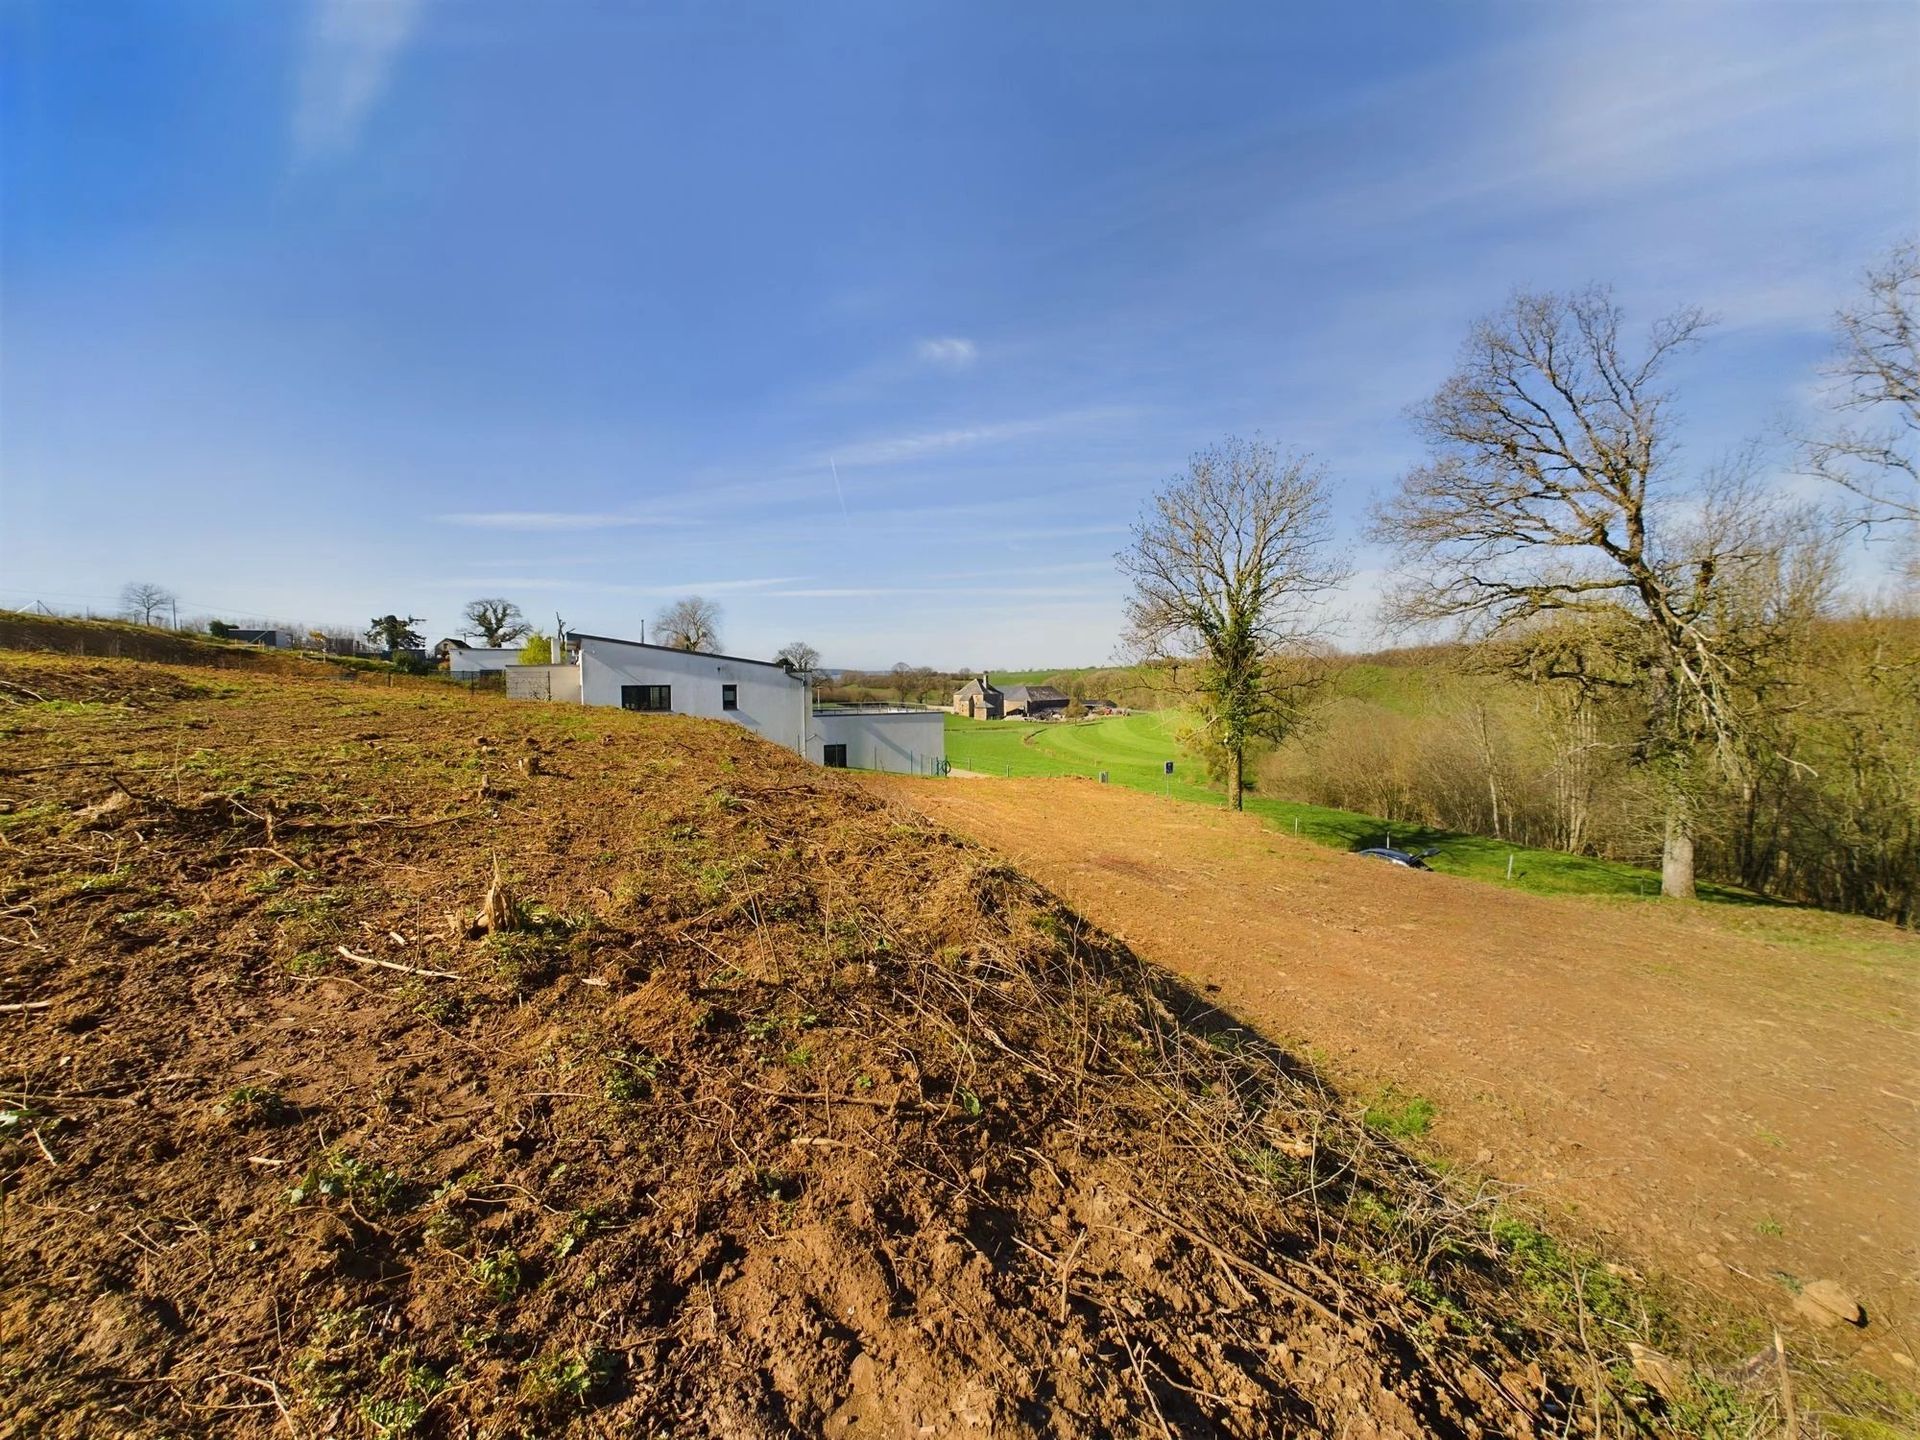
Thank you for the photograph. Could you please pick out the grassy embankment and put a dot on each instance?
(1133, 748)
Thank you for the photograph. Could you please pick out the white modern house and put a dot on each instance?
(906, 739)
(765, 697)
(471, 661)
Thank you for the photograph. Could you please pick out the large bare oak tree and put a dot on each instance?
(800, 658)
(1875, 374)
(1230, 567)
(1553, 497)
(690, 623)
(495, 620)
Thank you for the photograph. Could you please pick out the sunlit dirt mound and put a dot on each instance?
(764, 1109)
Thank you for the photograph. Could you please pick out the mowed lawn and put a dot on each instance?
(1132, 749)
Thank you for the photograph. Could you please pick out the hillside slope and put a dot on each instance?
(766, 1109)
(1724, 1081)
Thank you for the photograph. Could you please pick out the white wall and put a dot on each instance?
(903, 741)
(543, 682)
(772, 702)
(479, 661)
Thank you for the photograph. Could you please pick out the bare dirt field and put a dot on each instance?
(1732, 1092)
(402, 1062)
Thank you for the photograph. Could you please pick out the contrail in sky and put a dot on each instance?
(838, 491)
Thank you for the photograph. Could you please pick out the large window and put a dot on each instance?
(646, 697)
(729, 697)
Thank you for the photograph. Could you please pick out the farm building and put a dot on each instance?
(977, 700)
(1035, 702)
(765, 697)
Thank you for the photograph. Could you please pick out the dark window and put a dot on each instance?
(646, 697)
(835, 756)
(729, 697)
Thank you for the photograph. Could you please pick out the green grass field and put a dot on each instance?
(1133, 748)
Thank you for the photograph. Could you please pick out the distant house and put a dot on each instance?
(761, 695)
(978, 700)
(469, 662)
(1035, 702)
(447, 647)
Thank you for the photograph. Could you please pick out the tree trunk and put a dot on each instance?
(1234, 787)
(1676, 857)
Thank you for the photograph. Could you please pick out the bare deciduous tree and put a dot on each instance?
(1550, 494)
(1229, 568)
(801, 658)
(1876, 378)
(143, 599)
(690, 623)
(497, 621)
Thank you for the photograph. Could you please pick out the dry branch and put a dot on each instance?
(347, 954)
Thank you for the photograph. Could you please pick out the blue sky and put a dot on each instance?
(876, 323)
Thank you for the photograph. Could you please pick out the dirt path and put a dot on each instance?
(1721, 1090)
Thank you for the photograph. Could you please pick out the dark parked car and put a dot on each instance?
(1404, 858)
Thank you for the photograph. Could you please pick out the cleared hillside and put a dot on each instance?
(765, 1108)
(1728, 1082)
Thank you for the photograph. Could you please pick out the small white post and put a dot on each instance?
(1509, 865)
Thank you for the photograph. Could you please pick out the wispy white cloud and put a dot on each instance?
(892, 450)
(546, 520)
(496, 583)
(951, 352)
(963, 592)
(346, 65)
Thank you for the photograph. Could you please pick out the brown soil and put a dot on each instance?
(1729, 1091)
(776, 1110)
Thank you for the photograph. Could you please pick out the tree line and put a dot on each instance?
(1676, 626)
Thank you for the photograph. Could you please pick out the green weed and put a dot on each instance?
(1405, 1117)
(1566, 1283)
(629, 1075)
(579, 1228)
(500, 1274)
(310, 962)
(1270, 1166)
(370, 1189)
(566, 1380)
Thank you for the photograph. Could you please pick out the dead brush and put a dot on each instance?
(1309, 1211)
